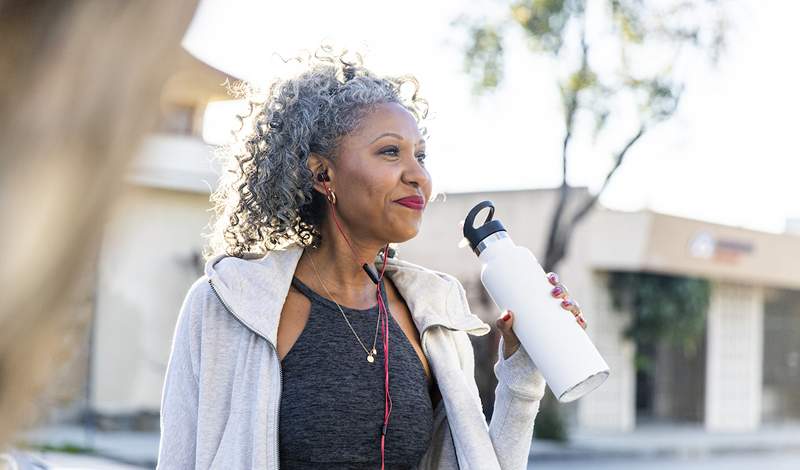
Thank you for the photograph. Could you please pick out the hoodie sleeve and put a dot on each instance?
(179, 399)
(519, 390)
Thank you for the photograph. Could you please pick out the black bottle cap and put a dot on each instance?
(476, 234)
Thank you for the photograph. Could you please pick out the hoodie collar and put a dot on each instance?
(254, 289)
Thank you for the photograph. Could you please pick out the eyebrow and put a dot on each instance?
(421, 140)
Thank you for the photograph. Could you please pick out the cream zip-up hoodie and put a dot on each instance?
(221, 395)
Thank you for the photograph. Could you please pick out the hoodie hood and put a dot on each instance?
(254, 289)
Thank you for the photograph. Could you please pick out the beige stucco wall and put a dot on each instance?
(145, 269)
(734, 361)
(662, 243)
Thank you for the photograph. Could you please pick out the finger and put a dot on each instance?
(571, 306)
(553, 278)
(581, 321)
(560, 291)
(505, 321)
(568, 304)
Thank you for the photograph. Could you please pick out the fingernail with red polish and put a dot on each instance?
(557, 291)
(506, 316)
(566, 303)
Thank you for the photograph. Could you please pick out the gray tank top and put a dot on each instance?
(332, 403)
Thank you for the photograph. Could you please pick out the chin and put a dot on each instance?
(405, 235)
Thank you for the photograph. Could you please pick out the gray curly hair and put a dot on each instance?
(265, 200)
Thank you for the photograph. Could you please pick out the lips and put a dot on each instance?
(412, 202)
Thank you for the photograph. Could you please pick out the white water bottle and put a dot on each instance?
(558, 346)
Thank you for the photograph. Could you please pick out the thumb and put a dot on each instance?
(504, 322)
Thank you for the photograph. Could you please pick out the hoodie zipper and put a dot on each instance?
(280, 371)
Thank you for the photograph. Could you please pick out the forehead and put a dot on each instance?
(387, 117)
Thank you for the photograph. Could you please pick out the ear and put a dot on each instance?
(318, 165)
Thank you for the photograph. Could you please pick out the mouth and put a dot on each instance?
(412, 202)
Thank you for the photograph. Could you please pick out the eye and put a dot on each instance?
(393, 151)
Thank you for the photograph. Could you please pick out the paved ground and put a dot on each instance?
(670, 441)
(649, 447)
(770, 461)
(60, 461)
(125, 448)
(661, 447)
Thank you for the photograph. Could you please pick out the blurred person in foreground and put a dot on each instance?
(80, 83)
(278, 357)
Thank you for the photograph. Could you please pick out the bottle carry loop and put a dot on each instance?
(477, 234)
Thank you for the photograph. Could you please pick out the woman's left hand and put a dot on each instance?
(504, 323)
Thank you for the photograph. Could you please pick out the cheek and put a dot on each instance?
(369, 187)
(372, 189)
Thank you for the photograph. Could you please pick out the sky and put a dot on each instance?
(730, 155)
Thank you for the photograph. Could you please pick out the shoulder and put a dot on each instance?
(424, 272)
(436, 295)
(199, 293)
(429, 282)
(195, 302)
(201, 304)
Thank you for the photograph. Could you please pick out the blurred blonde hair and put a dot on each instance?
(80, 87)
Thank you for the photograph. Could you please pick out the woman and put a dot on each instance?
(276, 360)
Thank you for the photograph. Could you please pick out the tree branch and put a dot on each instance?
(554, 249)
(587, 206)
(563, 195)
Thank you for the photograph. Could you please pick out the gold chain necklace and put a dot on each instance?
(370, 354)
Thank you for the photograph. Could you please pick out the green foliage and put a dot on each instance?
(64, 448)
(657, 96)
(668, 308)
(628, 19)
(545, 21)
(549, 424)
(484, 56)
(641, 31)
(581, 79)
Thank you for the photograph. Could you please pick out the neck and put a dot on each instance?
(340, 267)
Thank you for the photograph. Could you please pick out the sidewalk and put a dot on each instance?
(136, 449)
(668, 441)
(58, 461)
(140, 449)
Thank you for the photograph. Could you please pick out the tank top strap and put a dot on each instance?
(304, 289)
(315, 297)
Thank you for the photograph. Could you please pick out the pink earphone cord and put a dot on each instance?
(383, 312)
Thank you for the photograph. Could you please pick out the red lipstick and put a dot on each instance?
(412, 202)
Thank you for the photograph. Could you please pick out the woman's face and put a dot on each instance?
(379, 164)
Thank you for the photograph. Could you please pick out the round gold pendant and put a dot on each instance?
(370, 358)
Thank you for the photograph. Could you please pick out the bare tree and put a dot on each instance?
(661, 35)
(653, 40)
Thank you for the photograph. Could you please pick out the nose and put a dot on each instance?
(415, 174)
